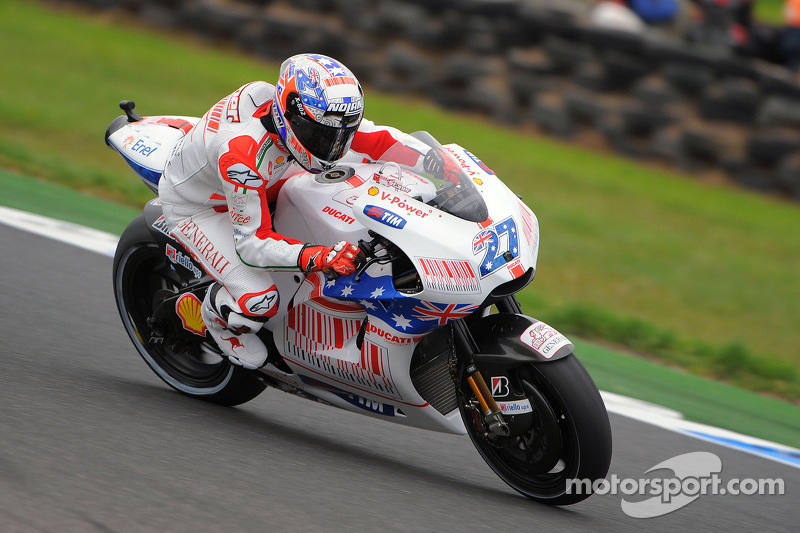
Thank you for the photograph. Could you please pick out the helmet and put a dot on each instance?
(318, 107)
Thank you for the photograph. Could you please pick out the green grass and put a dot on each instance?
(62, 203)
(64, 75)
(702, 276)
(769, 12)
(732, 362)
(699, 399)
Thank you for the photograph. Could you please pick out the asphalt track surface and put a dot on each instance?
(91, 440)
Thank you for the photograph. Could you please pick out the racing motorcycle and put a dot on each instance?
(427, 333)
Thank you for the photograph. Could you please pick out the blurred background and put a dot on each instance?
(703, 85)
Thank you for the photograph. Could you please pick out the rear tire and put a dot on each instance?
(569, 438)
(195, 368)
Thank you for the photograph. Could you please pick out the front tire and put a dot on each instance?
(194, 367)
(567, 439)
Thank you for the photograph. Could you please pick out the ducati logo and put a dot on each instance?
(500, 386)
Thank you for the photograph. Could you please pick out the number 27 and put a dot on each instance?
(489, 240)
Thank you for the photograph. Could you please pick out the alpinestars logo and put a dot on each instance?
(264, 304)
(244, 175)
(312, 261)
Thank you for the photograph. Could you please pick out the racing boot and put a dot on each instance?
(234, 333)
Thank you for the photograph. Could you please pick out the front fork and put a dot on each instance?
(496, 425)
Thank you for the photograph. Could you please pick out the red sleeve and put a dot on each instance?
(257, 242)
(376, 143)
(237, 165)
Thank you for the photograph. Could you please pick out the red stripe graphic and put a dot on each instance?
(527, 223)
(340, 80)
(376, 360)
(446, 275)
(316, 330)
(356, 181)
(311, 333)
(214, 115)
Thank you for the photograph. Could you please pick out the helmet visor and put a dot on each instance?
(327, 143)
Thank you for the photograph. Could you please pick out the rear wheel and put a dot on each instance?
(566, 438)
(191, 364)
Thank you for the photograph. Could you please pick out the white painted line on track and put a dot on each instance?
(106, 243)
(673, 421)
(81, 236)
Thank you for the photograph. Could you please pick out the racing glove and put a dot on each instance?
(440, 166)
(343, 258)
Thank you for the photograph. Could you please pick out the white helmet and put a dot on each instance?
(318, 107)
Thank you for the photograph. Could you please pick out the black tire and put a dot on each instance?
(194, 368)
(569, 439)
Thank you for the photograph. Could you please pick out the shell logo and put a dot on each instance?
(372, 191)
(188, 309)
(279, 161)
(478, 181)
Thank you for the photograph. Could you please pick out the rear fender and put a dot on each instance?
(511, 339)
(146, 143)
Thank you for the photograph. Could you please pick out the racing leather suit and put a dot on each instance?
(216, 193)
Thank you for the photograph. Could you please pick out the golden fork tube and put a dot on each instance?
(482, 392)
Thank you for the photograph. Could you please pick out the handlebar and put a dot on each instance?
(368, 249)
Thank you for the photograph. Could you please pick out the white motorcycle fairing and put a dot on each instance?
(350, 341)
(410, 338)
(147, 143)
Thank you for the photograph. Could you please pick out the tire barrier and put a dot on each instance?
(647, 95)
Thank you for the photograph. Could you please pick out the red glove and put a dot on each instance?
(441, 166)
(343, 258)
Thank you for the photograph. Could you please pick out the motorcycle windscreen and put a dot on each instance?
(455, 192)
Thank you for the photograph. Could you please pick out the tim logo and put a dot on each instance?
(500, 386)
(384, 216)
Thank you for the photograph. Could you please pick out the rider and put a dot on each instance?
(223, 178)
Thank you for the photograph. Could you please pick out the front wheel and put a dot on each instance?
(559, 446)
(143, 277)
